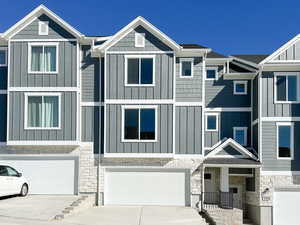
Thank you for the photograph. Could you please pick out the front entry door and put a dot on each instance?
(237, 196)
(210, 195)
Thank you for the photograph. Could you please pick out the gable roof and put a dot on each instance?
(254, 58)
(139, 21)
(33, 15)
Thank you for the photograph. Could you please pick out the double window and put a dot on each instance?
(240, 87)
(240, 135)
(211, 73)
(139, 70)
(285, 140)
(186, 68)
(43, 57)
(286, 88)
(42, 111)
(211, 121)
(3, 56)
(139, 123)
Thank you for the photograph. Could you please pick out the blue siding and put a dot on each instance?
(3, 117)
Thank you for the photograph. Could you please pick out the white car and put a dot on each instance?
(12, 182)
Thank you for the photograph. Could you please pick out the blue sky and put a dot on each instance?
(227, 26)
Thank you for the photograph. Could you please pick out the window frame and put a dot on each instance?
(136, 36)
(276, 74)
(47, 28)
(138, 107)
(217, 122)
(42, 44)
(41, 94)
(139, 57)
(245, 129)
(191, 60)
(291, 124)
(6, 58)
(245, 83)
(212, 68)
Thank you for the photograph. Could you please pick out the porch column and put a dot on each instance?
(224, 179)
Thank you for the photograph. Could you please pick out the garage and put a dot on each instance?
(286, 206)
(47, 174)
(147, 187)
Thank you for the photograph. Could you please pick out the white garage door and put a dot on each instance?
(147, 187)
(286, 207)
(46, 175)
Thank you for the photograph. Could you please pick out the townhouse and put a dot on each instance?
(138, 119)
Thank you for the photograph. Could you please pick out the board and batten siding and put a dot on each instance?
(67, 67)
(68, 120)
(188, 139)
(115, 82)
(292, 53)
(189, 89)
(3, 117)
(127, 43)
(269, 150)
(114, 128)
(269, 108)
(31, 31)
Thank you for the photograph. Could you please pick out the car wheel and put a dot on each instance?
(24, 190)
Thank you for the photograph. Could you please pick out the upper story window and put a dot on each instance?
(285, 140)
(240, 87)
(43, 27)
(139, 123)
(212, 121)
(43, 57)
(139, 70)
(240, 135)
(42, 111)
(211, 73)
(186, 68)
(286, 87)
(3, 57)
(139, 40)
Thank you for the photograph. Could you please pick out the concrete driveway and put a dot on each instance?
(34, 207)
(136, 215)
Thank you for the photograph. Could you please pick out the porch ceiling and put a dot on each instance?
(231, 162)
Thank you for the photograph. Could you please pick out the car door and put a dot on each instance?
(13, 180)
(4, 189)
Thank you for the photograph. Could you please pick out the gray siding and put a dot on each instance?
(269, 108)
(269, 153)
(3, 117)
(189, 89)
(217, 93)
(67, 67)
(32, 30)
(115, 83)
(114, 128)
(68, 120)
(127, 43)
(188, 130)
(90, 77)
(292, 53)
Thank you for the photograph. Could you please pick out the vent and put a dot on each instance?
(139, 40)
(43, 27)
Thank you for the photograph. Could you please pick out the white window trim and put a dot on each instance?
(245, 92)
(297, 74)
(56, 44)
(136, 38)
(139, 57)
(245, 129)
(123, 122)
(191, 60)
(41, 23)
(291, 124)
(212, 68)
(4, 49)
(217, 121)
(43, 94)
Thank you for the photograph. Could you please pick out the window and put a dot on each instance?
(139, 70)
(12, 172)
(43, 58)
(233, 190)
(211, 73)
(42, 111)
(139, 40)
(43, 27)
(285, 140)
(139, 123)
(207, 176)
(3, 171)
(3, 57)
(240, 87)
(186, 68)
(286, 88)
(212, 122)
(240, 135)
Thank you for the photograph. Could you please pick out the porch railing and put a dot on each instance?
(220, 199)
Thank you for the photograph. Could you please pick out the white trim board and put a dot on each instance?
(45, 40)
(91, 104)
(232, 165)
(140, 52)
